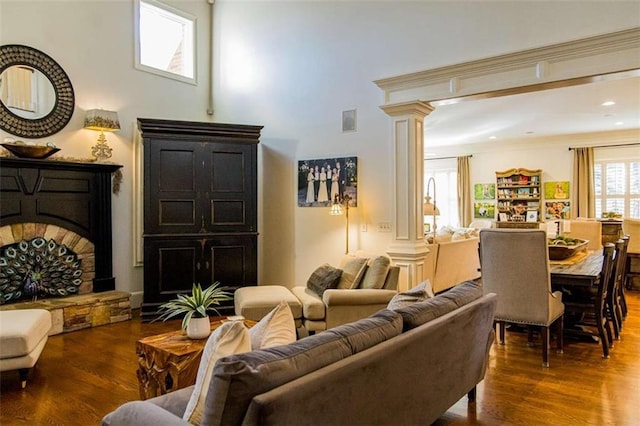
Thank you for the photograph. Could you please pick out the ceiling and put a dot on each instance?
(560, 111)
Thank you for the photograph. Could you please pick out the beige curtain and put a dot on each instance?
(584, 204)
(464, 192)
(19, 88)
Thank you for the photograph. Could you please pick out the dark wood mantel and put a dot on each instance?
(72, 195)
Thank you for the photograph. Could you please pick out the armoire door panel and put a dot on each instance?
(228, 212)
(177, 268)
(177, 212)
(177, 170)
(228, 171)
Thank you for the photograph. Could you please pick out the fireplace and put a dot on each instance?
(73, 196)
(60, 210)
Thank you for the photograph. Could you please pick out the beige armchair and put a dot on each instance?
(340, 306)
(515, 265)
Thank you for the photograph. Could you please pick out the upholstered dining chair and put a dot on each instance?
(594, 305)
(586, 230)
(515, 265)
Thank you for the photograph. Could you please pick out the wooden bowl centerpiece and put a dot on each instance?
(563, 247)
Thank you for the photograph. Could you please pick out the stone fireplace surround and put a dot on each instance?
(87, 309)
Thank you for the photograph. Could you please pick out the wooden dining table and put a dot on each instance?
(578, 271)
(582, 270)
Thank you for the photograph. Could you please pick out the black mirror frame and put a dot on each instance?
(54, 121)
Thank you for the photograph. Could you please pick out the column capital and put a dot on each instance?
(419, 108)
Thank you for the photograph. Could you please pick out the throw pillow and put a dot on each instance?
(376, 273)
(229, 339)
(422, 291)
(353, 269)
(276, 328)
(323, 278)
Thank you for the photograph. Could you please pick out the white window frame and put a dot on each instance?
(601, 199)
(139, 65)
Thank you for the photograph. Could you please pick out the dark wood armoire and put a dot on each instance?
(200, 208)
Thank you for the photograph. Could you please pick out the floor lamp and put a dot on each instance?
(337, 210)
(429, 208)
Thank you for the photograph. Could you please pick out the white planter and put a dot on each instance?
(198, 328)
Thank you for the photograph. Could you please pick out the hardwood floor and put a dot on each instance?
(81, 376)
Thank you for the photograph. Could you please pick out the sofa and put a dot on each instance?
(405, 366)
(451, 262)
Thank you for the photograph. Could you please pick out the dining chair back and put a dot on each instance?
(594, 305)
(586, 230)
(514, 264)
(614, 297)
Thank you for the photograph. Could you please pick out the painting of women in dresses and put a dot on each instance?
(321, 181)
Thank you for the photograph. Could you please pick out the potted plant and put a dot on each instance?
(194, 306)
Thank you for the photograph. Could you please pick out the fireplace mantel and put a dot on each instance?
(72, 195)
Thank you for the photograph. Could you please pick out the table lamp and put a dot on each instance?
(429, 208)
(102, 121)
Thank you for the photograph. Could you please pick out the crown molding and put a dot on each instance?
(571, 62)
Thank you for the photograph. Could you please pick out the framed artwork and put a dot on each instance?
(484, 210)
(556, 190)
(532, 216)
(503, 217)
(320, 180)
(557, 210)
(484, 191)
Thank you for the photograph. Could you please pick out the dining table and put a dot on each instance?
(579, 271)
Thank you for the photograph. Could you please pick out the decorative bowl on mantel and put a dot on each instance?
(30, 151)
(562, 247)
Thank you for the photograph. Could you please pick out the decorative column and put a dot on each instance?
(408, 249)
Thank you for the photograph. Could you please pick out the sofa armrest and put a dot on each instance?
(141, 413)
(333, 297)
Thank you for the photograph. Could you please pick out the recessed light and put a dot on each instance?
(608, 103)
(619, 123)
(492, 137)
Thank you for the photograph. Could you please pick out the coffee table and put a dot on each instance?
(169, 361)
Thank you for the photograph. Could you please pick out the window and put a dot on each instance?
(165, 41)
(446, 180)
(617, 185)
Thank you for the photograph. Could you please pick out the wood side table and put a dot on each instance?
(170, 361)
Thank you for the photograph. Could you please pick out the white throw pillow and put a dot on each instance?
(228, 339)
(276, 328)
(422, 291)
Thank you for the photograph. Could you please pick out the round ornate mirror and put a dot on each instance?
(36, 95)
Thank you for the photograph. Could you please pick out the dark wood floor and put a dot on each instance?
(81, 376)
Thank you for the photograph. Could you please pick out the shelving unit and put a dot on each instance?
(519, 198)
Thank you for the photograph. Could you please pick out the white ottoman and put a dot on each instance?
(254, 302)
(23, 334)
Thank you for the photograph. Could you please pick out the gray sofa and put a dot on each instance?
(395, 367)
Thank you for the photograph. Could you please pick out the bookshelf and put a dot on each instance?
(519, 194)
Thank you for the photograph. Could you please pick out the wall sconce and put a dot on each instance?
(429, 208)
(337, 210)
(102, 121)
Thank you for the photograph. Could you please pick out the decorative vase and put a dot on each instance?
(198, 328)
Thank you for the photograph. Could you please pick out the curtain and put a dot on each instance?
(464, 192)
(584, 204)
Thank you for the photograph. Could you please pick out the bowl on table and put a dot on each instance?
(30, 151)
(561, 248)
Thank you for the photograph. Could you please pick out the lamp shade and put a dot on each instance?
(428, 208)
(101, 120)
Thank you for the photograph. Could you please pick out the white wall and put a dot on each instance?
(292, 67)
